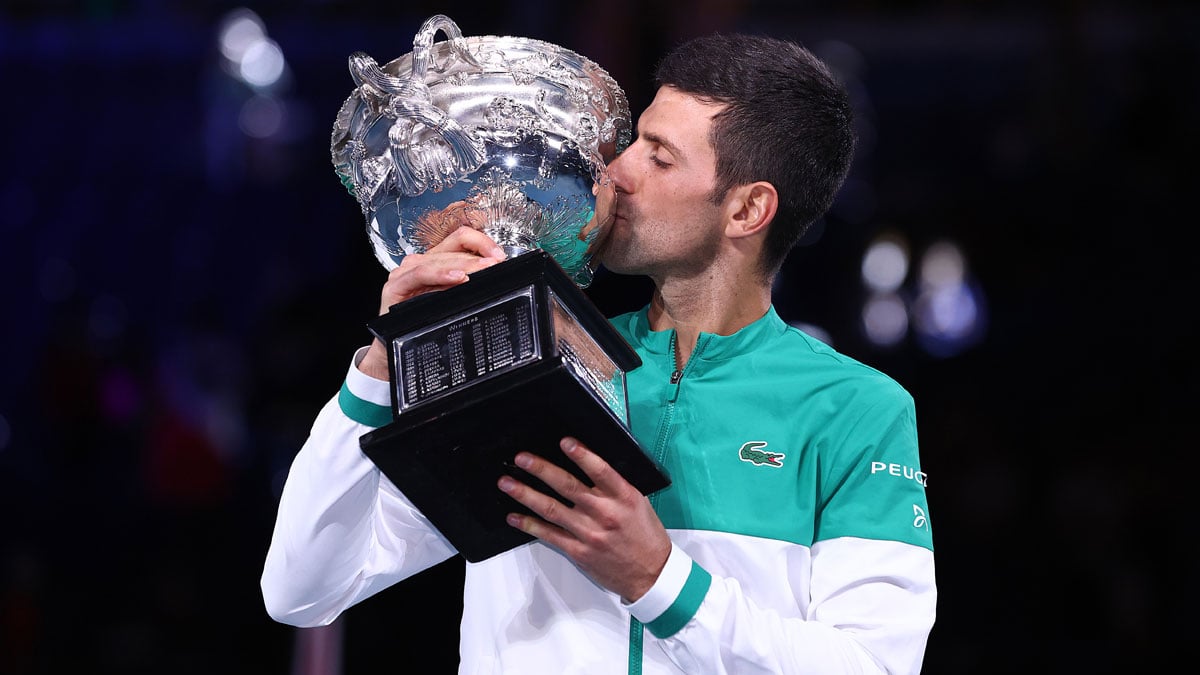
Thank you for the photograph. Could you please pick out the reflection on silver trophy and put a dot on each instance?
(509, 135)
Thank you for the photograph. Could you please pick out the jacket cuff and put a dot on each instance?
(675, 596)
(363, 398)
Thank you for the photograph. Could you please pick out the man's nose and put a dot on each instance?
(617, 173)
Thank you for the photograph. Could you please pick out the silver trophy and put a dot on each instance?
(510, 136)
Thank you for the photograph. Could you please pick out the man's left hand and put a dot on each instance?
(611, 533)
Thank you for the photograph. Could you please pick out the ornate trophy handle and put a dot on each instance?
(419, 167)
(422, 55)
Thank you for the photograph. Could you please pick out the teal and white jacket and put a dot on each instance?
(801, 532)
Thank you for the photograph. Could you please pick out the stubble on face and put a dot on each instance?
(659, 247)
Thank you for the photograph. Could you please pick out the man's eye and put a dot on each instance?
(658, 162)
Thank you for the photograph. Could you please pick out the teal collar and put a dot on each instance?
(710, 346)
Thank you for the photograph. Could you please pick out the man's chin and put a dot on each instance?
(619, 253)
(619, 265)
(610, 256)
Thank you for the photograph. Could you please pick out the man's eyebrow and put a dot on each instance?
(659, 140)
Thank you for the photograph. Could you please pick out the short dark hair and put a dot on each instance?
(788, 121)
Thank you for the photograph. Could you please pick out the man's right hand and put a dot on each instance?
(449, 263)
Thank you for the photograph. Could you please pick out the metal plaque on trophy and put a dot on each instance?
(510, 136)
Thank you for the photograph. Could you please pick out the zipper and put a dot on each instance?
(677, 374)
(672, 396)
(664, 424)
(635, 646)
(636, 629)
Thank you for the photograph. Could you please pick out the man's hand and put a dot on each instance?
(602, 214)
(451, 262)
(612, 533)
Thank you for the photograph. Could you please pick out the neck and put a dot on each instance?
(715, 303)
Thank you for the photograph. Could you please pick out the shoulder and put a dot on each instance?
(830, 372)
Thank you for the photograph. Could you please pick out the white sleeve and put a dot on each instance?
(856, 622)
(343, 531)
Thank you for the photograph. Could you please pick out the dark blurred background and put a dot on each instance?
(185, 281)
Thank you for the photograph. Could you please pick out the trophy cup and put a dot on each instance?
(510, 136)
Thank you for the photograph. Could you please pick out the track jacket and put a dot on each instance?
(797, 510)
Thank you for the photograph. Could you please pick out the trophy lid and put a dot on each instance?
(506, 134)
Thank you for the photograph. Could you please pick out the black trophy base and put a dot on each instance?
(481, 371)
(448, 460)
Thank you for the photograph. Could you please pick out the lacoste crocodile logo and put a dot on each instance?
(750, 452)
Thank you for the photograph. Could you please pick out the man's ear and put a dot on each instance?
(750, 209)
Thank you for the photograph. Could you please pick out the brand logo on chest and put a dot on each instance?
(752, 451)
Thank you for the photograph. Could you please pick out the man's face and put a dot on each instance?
(665, 223)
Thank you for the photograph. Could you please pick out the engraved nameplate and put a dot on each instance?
(445, 358)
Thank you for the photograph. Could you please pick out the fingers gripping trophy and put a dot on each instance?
(509, 136)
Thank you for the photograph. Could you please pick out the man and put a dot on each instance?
(794, 537)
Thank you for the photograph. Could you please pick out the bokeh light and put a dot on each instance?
(885, 264)
(251, 57)
(948, 313)
(885, 319)
(261, 116)
(262, 64)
